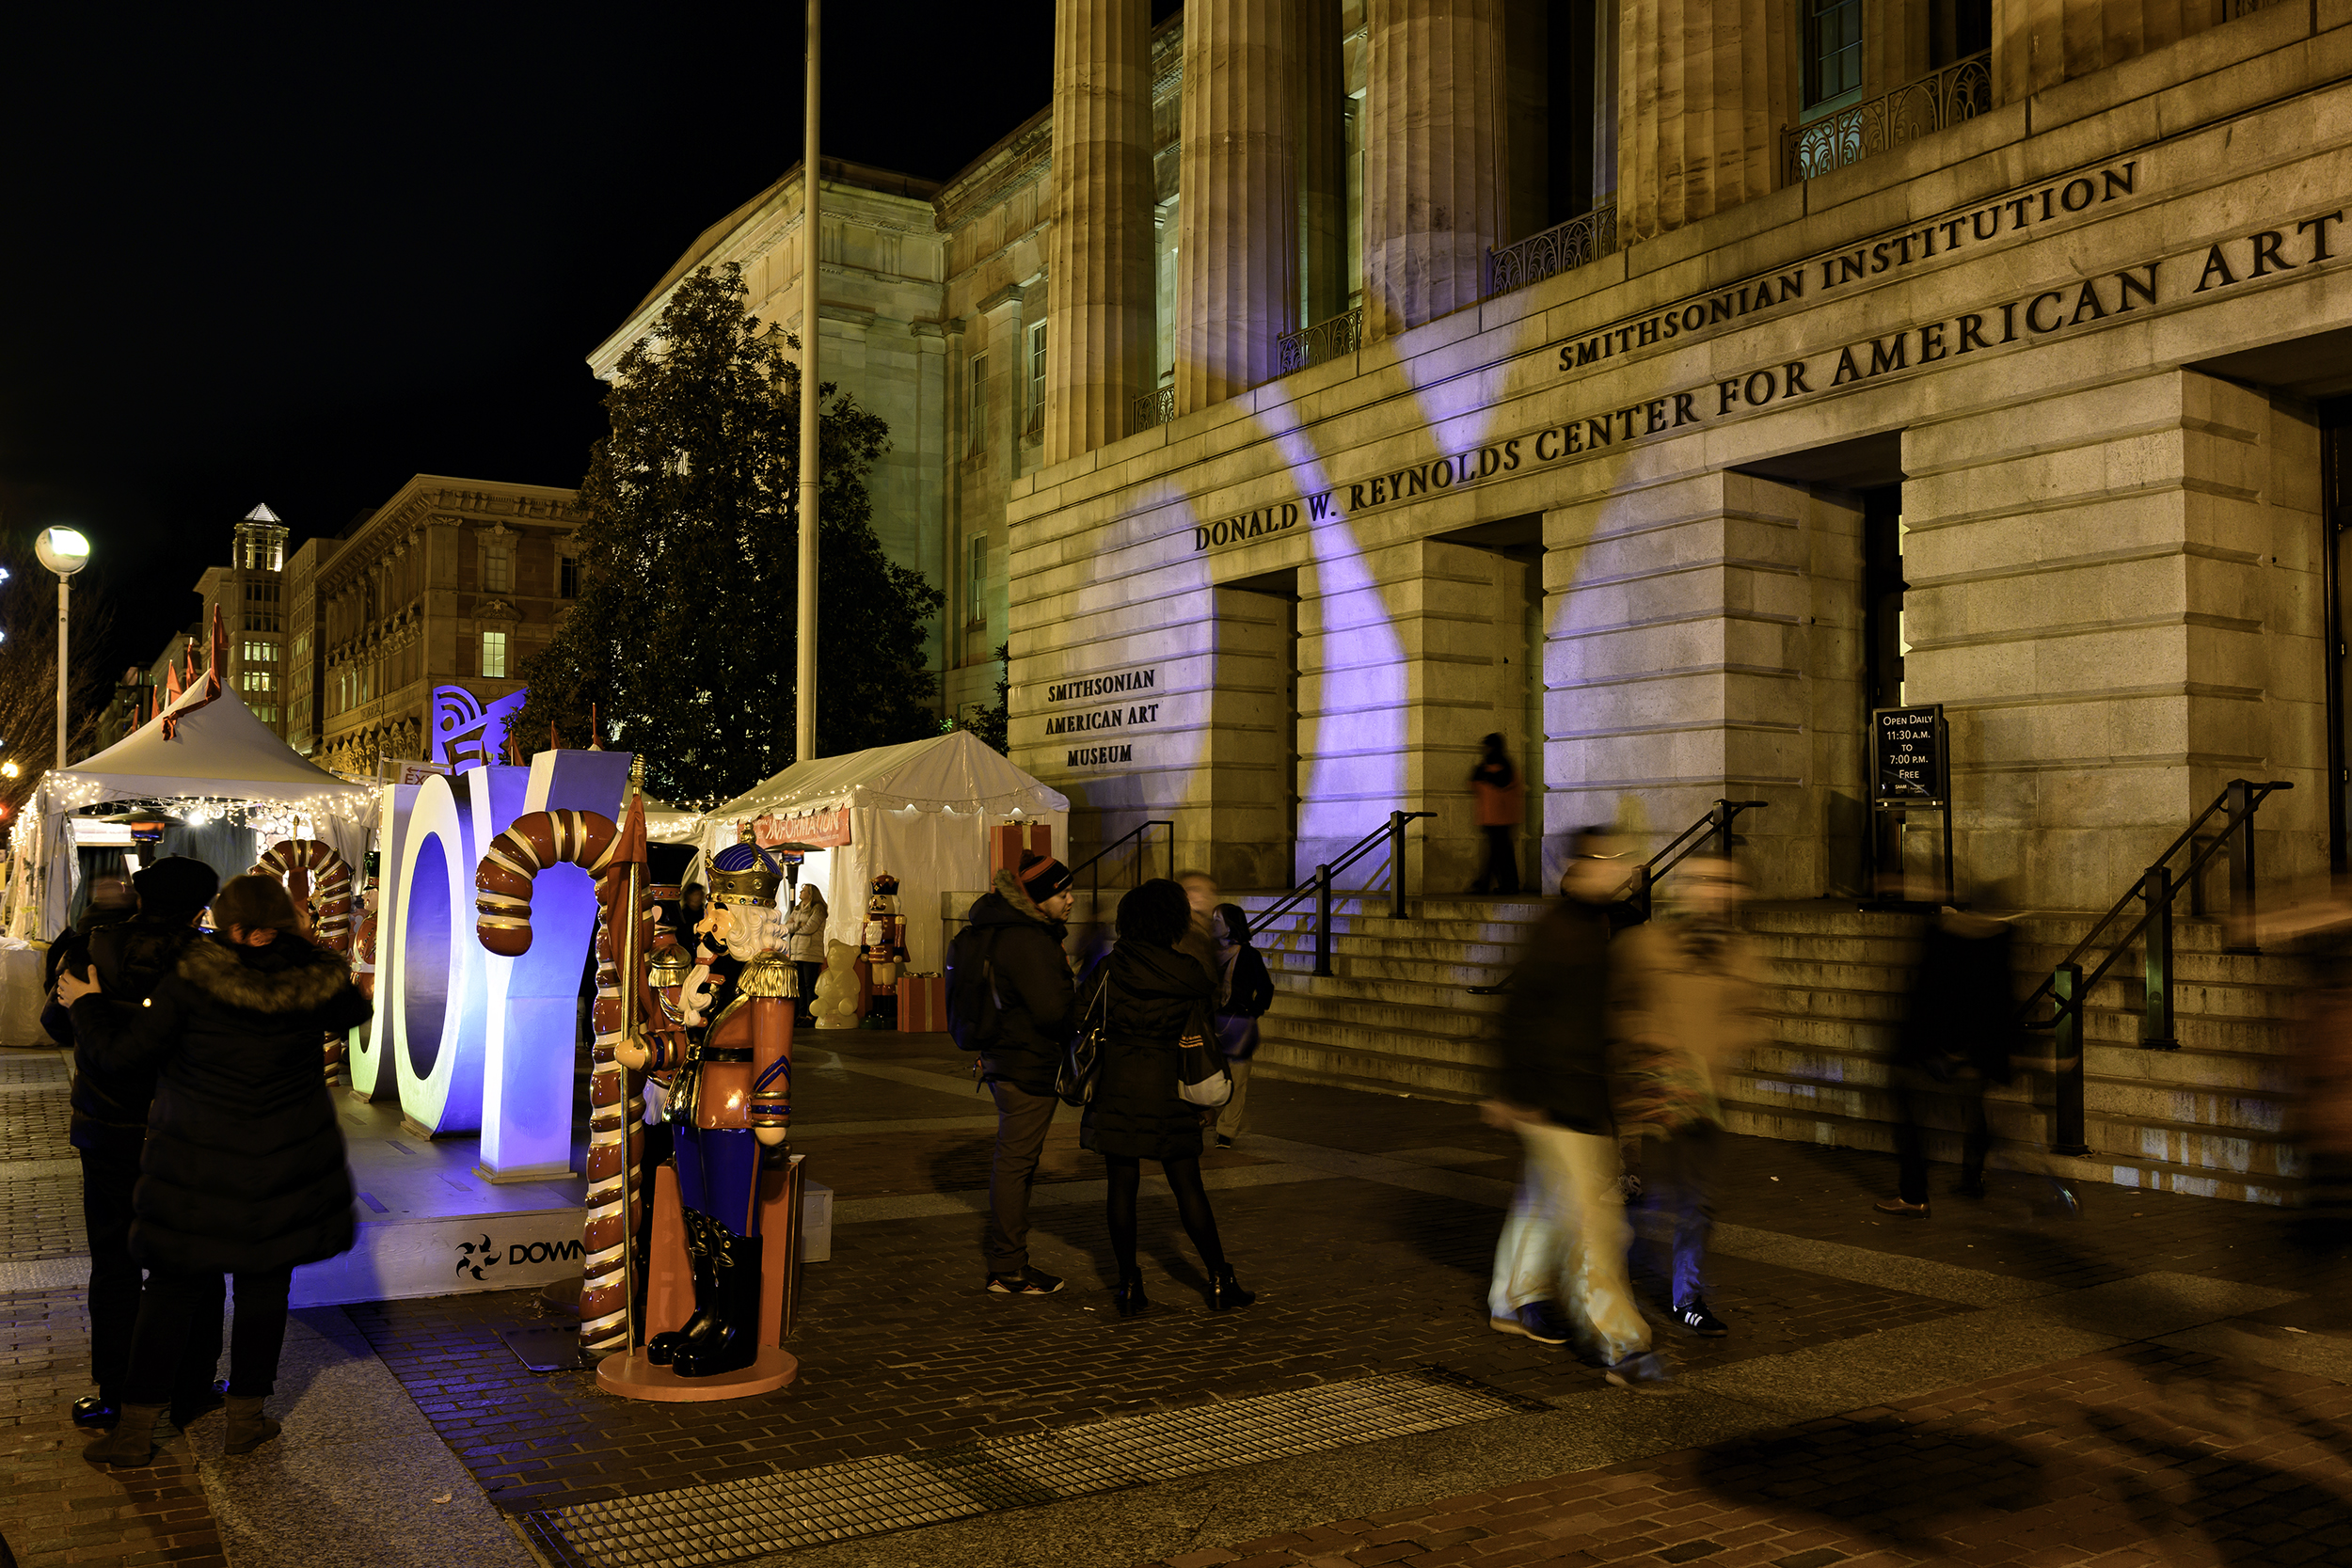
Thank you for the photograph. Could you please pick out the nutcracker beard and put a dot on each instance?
(737, 1080)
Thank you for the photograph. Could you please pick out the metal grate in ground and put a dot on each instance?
(732, 1521)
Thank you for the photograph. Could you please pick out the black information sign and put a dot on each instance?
(1907, 760)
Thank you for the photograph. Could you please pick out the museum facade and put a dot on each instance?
(1682, 385)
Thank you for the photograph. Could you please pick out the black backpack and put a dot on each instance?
(973, 1007)
(1249, 989)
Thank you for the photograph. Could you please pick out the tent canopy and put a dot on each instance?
(921, 811)
(219, 750)
(955, 771)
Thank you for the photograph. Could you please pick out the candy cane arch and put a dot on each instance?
(323, 873)
(505, 880)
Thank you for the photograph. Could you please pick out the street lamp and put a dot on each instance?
(64, 551)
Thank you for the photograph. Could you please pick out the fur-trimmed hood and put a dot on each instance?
(1009, 888)
(290, 975)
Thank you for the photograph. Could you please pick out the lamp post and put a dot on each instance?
(64, 551)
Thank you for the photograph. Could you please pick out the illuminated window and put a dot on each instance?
(497, 570)
(975, 587)
(494, 653)
(1832, 51)
(1036, 378)
(979, 402)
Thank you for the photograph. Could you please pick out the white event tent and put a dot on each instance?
(921, 811)
(217, 755)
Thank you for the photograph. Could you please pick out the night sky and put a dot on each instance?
(251, 257)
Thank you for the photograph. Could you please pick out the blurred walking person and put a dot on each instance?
(129, 960)
(1153, 998)
(243, 1172)
(1008, 1002)
(1959, 1037)
(1560, 1266)
(1502, 804)
(1688, 993)
(1243, 991)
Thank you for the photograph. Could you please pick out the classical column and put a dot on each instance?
(2039, 44)
(1099, 284)
(1436, 194)
(1703, 93)
(1320, 103)
(1237, 244)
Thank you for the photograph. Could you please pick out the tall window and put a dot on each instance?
(1832, 51)
(1036, 378)
(979, 402)
(494, 653)
(975, 587)
(497, 570)
(570, 578)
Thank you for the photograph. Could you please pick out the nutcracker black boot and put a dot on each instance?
(733, 1342)
(665, 1348)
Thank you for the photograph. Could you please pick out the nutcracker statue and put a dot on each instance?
(728, 1096)
(886, 943)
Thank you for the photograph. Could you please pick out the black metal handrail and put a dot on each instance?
(2068, 988)
(1094, 862)
(1320, 888)
(1719, 817)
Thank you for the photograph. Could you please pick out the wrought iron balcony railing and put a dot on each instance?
(1961, 91)
(1154, 408)
(1562, 247)
(1322, 342)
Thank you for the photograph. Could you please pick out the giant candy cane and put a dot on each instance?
(505, 880)
(324, 874)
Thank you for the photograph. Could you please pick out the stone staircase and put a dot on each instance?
(1396, 1016)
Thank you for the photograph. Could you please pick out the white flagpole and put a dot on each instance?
(804, 674)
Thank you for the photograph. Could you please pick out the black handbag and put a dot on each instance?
(1082, 1058)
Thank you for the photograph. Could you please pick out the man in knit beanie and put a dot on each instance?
(1009, 1001)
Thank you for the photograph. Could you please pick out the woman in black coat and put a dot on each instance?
(242, 1171)
(1151, 997)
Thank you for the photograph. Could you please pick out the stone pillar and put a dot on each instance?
(1237, 245)
(1702, 641)
(2116, 593)
(1320, 103)
(2039, 44)
(1704, 90)
(1436, 169)
(1098, 343)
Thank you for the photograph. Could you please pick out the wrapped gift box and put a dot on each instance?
(1008, 842)
(922, 1004)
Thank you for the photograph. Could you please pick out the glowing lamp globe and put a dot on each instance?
(63, 550)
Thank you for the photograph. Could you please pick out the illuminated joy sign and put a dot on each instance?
(465, 734)
(464, 1037)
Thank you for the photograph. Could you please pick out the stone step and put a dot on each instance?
(1312, 1062)
(2218, 1070)
(1413, 1004)
(1411, 1052)
(2116, 1168)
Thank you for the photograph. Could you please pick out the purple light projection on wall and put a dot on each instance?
(465, 733)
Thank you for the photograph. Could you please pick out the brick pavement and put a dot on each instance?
(56, 1508)
(2138, 1456)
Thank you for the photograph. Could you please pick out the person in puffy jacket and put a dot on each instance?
(1007, 970)
(804, 940)
(243, 1172)
(1152, 999)
(129, 960)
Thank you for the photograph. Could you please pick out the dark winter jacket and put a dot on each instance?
(244, 1167)
(130, 961)
(1961, 1011)
(1009, 937)
(1555, 1036)
(71, 951)
(1156, 996)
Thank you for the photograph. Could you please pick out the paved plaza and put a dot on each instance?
(2166, 1379)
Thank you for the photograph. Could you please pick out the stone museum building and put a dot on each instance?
(1316, 386)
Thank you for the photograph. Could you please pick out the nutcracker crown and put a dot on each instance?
(745, 872)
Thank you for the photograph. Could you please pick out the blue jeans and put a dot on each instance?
(1677, 1187)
